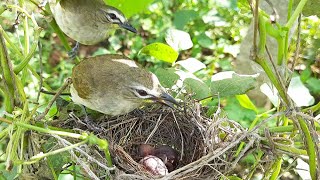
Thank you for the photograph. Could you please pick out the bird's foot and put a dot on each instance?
(91, 125)
(74, 52)
(138, 112)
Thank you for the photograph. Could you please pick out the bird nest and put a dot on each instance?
(205, 145)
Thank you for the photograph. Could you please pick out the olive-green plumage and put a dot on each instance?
(114, 84)
(87, 21)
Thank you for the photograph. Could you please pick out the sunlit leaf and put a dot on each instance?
(302, 169)
(160, 51)
(70, 173)
(178, 40)
(129, 7)
(245, 102)
(243, 5)
(271, 93)
(299, 93)
(191, 64)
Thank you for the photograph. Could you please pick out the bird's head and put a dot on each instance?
(114, 85)
(115, 16)
(150, 91)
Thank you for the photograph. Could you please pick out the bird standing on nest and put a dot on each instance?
(115, 85)
(88, 21)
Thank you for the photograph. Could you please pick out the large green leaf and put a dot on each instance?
(197, 88)
(129, 7)
(167, 77)
(230, 84)
(160, 51)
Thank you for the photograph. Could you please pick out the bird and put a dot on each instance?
(168, 155)
(114, 85)
(88, 21)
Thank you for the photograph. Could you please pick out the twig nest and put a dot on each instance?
(176, 144)
(154, 165)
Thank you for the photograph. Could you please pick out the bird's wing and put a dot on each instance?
(82, 82)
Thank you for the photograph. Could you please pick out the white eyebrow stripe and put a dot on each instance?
(119, 15)
(151, 92)
(127, 62)
(155, 81)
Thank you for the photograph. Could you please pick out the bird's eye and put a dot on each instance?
(112, 16)
(142, 92)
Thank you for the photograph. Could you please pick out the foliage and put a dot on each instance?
(191, 47)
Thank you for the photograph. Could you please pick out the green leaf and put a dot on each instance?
(160, 51)
(233, 178)
(56, 161)
(245, 102)
(8, 174)
(198, 88)
(229, 83)
(244, 7)
(314, 85)
(306, 74)
(167, 77)
(181, 18)
(71, 172)
(205, 41)
(236, 112)
(129, 7)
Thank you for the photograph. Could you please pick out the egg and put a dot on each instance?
(154, 165)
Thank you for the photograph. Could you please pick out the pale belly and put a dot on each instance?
(80, 26)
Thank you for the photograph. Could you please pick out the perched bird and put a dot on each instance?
(115, 85)
(88, 21)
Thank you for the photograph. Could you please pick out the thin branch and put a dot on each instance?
(279, 77)
(64, 86)
(297, 51)
(41, 71)
(256, 27)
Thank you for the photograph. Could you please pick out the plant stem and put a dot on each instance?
(40, 156)
(295, 14)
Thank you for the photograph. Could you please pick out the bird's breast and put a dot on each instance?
(80, 23)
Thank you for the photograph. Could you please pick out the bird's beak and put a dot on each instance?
(128, 27)
(166, 99)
